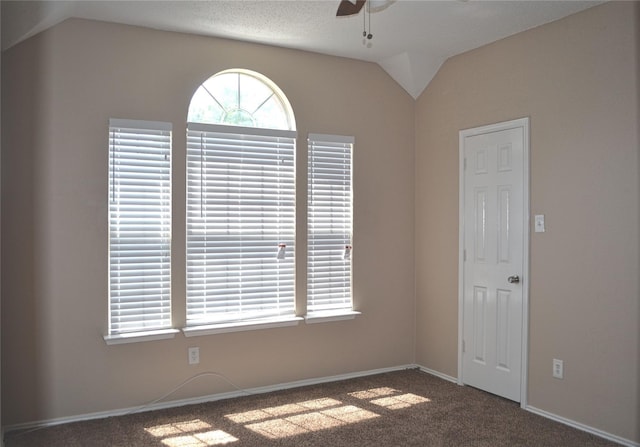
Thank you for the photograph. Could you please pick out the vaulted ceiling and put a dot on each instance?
(411, 38)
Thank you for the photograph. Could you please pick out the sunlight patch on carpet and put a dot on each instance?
(311, 421)
(190, 434)
(282, 410)
(398, 402)
(389, 398)
(161, 431)
(284, 421)
(373, 393)
(210, 438)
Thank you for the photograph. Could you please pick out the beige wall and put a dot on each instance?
(61, 88)
(577, 79)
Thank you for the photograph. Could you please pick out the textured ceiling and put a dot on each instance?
(411, 38)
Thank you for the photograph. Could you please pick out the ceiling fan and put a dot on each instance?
(349, 7)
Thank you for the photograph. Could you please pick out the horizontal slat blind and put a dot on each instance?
(240, 207)
(329, 223)
(139, 226)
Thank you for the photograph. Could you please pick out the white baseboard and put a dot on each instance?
(202, 399)
(554, 417)
(583, 427)
(298, 384)
(438, 374)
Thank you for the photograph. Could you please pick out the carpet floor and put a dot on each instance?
(403, 408)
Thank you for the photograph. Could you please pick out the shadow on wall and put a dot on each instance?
(24, 325)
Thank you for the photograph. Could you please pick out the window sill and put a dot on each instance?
(326, 317)
(136, 337)
(253, 325)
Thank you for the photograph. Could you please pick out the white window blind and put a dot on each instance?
(139, 226)
(329, 223)
(240, 216)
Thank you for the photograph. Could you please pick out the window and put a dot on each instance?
(139, 228)
(241, 98)
(329, 223)
(240, 217)
(240, 204)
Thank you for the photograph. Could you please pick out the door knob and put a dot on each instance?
(513, 279)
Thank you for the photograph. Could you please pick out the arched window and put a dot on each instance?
(240, 217)
(241, 213)
(241, 98)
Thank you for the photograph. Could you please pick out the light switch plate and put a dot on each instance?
(539, 223)
(558, 369)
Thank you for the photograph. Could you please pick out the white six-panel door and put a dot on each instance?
(494, 235)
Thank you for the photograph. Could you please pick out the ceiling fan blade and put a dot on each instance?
(347, 8)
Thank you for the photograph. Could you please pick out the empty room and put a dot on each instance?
(291, 223)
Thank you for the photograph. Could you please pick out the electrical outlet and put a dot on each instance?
(558, 369)
(194, 356)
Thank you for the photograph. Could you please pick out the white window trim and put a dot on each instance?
(136, 337)
(241, 326)
(223, 128)
(327, 317)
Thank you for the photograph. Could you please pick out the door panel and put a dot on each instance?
(480, 324)
(493, 241)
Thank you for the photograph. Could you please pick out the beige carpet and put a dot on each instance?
(404, 408)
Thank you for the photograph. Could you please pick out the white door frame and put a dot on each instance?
(524, 124)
